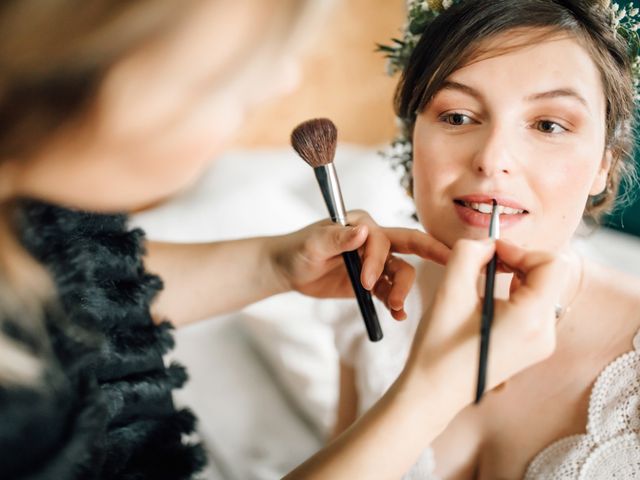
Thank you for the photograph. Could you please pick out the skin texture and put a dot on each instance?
(436, 382)
(534, 135)
(521, 136)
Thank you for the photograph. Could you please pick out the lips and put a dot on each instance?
(475, 210)
(488, 200)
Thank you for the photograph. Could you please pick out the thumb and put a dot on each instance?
(541, 274)
(466, 262)
(334, 240)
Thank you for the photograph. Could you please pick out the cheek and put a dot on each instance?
(181, 153)
(439, 160)
(562, 186)
(436, 167)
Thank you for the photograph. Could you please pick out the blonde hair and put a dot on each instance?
(54, 56)
(25, 288)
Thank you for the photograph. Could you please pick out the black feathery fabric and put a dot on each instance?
(105, 410)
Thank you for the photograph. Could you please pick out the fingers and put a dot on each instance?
(382, 289)
(402, 276)
(382, 241)
(376, 252)
(519, 259)
(376, 249)
(468, 259)
(540, 275)
(394, 285)
(331, 240)
(415, 242)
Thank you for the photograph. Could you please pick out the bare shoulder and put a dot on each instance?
(618, 292)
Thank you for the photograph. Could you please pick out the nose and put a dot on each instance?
(493, 156)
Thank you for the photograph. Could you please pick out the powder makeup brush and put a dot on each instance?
(487, 305)
(315, 141)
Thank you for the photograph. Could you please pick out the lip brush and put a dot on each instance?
(487, 305)
(315, 141)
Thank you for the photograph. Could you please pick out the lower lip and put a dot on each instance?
(476, 219)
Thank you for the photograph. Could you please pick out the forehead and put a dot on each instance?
(529, 61)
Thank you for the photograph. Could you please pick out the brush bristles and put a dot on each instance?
(315, 141)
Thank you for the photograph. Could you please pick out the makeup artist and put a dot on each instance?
(108, 106)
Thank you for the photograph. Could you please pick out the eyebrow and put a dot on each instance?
(450, 85)
(557, 93)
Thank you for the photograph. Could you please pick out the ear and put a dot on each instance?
(600, 181)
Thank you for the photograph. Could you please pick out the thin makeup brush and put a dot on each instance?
(315, 141)
(487, 305)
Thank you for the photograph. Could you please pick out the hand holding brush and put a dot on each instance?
(315, 141)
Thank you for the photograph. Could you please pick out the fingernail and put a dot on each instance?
(369, 282)
(395, 305)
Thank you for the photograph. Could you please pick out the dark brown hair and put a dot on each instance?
(454, 39)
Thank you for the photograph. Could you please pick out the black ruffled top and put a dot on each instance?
(104, 410)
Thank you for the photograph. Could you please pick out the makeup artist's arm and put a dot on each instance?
(439, 378)
(347, 408)
(206, 279)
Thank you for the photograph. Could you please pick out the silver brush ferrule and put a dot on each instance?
(494, 225)
(330, 187)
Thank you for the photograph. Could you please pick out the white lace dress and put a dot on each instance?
(610, 448)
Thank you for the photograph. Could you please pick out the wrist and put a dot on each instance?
(274, 263)
(448, 379)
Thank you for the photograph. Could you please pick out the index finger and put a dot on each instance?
(415, 242)
(542, 273)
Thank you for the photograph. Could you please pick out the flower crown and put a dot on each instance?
(625, 22)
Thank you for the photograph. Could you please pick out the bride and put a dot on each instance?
(530, 102)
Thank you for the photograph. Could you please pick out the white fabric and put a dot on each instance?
(610, 449)
(264, 381)
(249, 426)
(377, 365)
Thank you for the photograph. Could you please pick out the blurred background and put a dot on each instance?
(343, 79)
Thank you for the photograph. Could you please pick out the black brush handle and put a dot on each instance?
(365, 302)
(485, 327)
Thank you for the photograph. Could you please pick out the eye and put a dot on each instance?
(549, 127)
(457, 119)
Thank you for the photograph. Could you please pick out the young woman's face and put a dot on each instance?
(527, 128)
(164, 112)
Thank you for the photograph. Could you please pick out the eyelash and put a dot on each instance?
(446, 118)
(551, 122)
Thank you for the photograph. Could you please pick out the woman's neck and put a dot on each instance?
(430, 275)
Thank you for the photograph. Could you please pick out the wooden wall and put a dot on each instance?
(343, 79)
